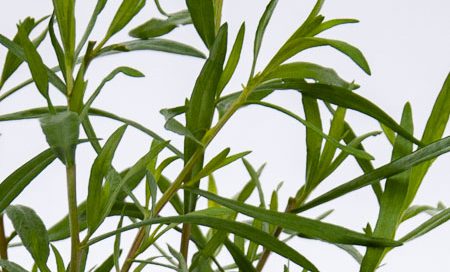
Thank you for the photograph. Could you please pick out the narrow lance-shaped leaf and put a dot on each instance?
(34, 60)
(156, 44)
(262, 25)
(232, 61)
(99, 170)
(17, 50)
(65, 15)
(42, 112)
(313, 139)
(60, 267)
(428, 225)
(126, 11)
(300, 44)
(240, 229)
(355, 152)
(122, 69)
(309, 228)
(423, 154)
(202, 14)
(307, 70)
(341, 97)
(32, 232)
(200, 112)
(436, 124)
(329, 150)
(16, 182)
(158, 27)
(392, 203)
(12, 62)
(330, 24)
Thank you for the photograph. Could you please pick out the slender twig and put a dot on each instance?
(75, 259)
(3, 240)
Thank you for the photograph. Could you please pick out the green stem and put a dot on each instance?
(3, 240)
(75, 259)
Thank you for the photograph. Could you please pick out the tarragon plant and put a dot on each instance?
(206, 233)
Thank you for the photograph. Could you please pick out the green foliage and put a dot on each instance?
(130, 198)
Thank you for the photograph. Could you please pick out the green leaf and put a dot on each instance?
(42, 112)
(200, 111)
(93, 19)
(107, 265)
(182, 265)
(11, 267)
(60, 267)
(212, 187)
(12, 62)
(61, 132)
(330, 24)
(298, 45)
(309, 228)
(341, 97)
(127, 10)
(19, 52)
(155, 44)
(240, 229)
(202, 14)
(34, 60)
(355, 142)
(418, 209)
(428, 225)
(65, 15)
(16, 182)
(232, 61)
(255, 179)
(316, 130)
(262, 25)
(239, 258)
(32, 232)
(157, 27)
(122, 69)
(423, 154)
(329, 149)
(434, 130)
(313, 135)
(56, 46)
(219, 161)
(312, 22)
(173, 125)
(100, 168)
(307, 70)
(393, 199)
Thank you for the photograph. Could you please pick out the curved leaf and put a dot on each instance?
(423, 154)
(240, 229)
(300, 44)
(202, 14)
(310, 228)
(16, 182)
(152, 44)
(341, 97)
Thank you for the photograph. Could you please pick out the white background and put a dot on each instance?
(405, 42)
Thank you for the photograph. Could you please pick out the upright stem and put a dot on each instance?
(3, 240)
(75, 259)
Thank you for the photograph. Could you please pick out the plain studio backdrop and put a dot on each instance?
(407, 44)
